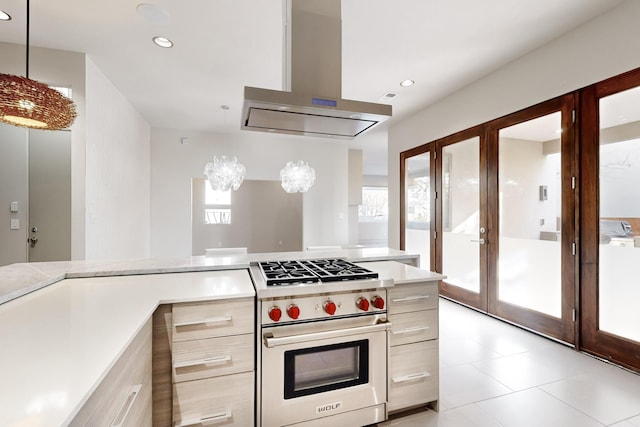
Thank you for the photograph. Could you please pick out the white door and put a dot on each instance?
(49, 230)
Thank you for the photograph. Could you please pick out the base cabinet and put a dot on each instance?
(212, 363)
(413, 340)
(123, 398)
(413, 374)
(225, 401)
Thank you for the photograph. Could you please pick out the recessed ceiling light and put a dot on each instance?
(162, 42)
(406, 83)
(4, 16)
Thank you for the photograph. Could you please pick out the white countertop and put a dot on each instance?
(401, 273)
(17, 280)
(57, 344)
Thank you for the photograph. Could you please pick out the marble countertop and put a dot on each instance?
(17, 280)
(59, 343)
(401, 273)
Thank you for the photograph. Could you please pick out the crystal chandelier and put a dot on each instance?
(31, 104)
(224, 173)
(297, 177)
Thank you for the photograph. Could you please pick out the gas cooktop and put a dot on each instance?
(282, 273)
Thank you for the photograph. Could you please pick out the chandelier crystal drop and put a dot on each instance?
(297, 177)
(224, 173)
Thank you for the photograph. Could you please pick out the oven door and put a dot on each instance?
(334, 368)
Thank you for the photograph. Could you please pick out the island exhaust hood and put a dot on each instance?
(312, 103)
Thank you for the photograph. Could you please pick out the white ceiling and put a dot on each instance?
(223, 45)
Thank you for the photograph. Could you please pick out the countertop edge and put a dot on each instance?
(17, 280)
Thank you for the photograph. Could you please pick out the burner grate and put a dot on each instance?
(312, 271)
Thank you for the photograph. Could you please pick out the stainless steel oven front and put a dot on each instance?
(336, 368)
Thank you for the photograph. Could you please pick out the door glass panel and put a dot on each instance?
(619, 260)
(418, 208)
(530, 201)
(461, 214)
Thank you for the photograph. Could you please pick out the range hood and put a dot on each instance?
(312, 103)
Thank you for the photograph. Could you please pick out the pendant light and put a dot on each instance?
(297, 177)
(31, 104)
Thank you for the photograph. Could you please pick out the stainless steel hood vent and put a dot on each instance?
(313, 74)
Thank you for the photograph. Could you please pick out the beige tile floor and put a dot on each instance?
(493, 374)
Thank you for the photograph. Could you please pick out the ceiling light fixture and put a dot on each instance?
(224, 173)
(407, 83)
(163, 42)
(4, 16)
(297, 177)
(31, 104)
(153, 14)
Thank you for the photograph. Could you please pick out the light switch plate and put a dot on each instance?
(13, 207)
(15, 224)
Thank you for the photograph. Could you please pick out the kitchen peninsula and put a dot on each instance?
(64, 326)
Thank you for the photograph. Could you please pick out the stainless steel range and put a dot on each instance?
(322, 343)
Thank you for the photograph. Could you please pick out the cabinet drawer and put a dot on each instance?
(212, 319)
(212, 357)
(123, 398)
(413, 374)
(413, 297)
(413, 327)
(220, 401)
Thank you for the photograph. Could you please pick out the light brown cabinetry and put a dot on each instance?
(123, 398)
(213, 363)
(413, 340)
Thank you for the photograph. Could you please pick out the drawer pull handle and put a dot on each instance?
(413, 298)
(410, 330)
(411, 377)
(121, 417)
(206, 421)
(205, 321)
(198, 362)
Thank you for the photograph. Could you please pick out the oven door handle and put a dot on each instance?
(271, 341)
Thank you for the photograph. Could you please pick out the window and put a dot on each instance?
(375, 205)
(217, 206)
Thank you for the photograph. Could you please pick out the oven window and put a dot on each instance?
(329, 367)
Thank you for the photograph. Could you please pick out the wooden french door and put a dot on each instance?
(417, 210)
(610, 213)
(461, 233)
(532, 189)
(504, 224)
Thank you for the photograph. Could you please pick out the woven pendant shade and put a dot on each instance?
(28, 103)
(31, 104)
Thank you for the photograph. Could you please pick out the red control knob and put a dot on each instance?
(378, 302)
(330, 307)
(275, 313)
(362, 304)
(293, 311)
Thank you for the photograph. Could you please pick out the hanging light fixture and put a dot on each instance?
(297, 177)
(31, 104)
(224, 173)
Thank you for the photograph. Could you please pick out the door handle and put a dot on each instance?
(481, 241)
(33, 241)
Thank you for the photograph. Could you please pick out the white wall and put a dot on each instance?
(602, 48)
(173, 165)
(117, 173)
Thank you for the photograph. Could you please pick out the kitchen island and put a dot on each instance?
(63, 335)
